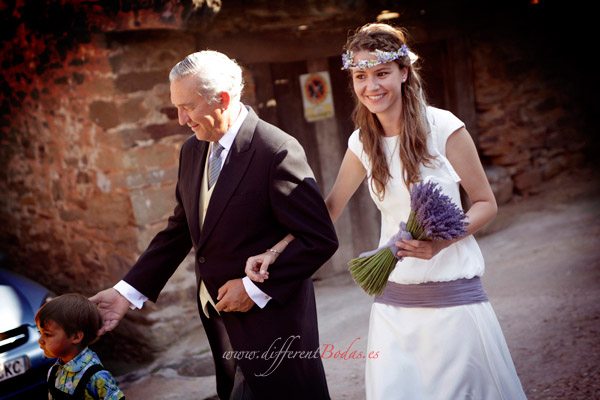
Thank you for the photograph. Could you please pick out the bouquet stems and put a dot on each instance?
(371, 273)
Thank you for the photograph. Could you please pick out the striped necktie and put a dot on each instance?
(214, 164)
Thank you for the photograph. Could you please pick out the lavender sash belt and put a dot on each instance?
(433, 294)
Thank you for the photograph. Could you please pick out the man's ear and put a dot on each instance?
(77, 337)
(224, 100)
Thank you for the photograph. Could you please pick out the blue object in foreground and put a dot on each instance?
(23, 367)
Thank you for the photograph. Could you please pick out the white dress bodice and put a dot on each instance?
(462, 259)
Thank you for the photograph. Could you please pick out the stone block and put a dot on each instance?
(57, 191)
(156, 156)
(493, 93)
(575, 160)
(158, 131)
(117, 61)
(70, 214)
(557, 139)
(108, 159)
(513, 157)
(501, 183)
(82, 178)
(80, 245)
(170, 112)
(151, 205)
(150, 50)
(528, 181)
(136, 81)
(492, 118)
(107, 211)
(99, 86)
(117, 264)
(105, 114)
(496, 173)
(553, 166)
(125, 138)
(28, 200)
(132, 110)
(139, 179)
(146, 233)
(78, 78)
(493, 146)
(103, 182)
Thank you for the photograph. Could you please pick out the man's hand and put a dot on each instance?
(232, 296)
(112, 306)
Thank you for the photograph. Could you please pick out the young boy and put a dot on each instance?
(68, 324)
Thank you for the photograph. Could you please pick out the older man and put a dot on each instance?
(243, 184)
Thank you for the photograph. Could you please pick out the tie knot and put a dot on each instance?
(217, 149)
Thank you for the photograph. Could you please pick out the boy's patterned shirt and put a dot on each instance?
(102, 384)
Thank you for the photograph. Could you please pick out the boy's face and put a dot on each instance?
(56, 343)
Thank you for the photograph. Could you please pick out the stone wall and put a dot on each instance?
(530, 99)
(89, 154)
(61, 210)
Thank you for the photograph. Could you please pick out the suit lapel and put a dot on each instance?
(197, 172)
(231, 174)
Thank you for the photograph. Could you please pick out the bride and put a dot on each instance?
(442, 348)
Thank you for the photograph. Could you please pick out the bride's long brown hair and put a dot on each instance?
(413, 137)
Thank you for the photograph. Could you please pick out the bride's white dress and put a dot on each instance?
(433, 353)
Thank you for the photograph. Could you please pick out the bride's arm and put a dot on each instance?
(462, 154)
(349, 178)
(257, 266)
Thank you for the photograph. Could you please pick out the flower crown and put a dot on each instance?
(382, 58)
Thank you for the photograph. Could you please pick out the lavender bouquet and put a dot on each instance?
(433, 216)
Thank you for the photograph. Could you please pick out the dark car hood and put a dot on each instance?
(20, 299)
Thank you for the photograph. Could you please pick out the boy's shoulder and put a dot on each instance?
(103, 385)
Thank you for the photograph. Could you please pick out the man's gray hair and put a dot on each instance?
(215, 73)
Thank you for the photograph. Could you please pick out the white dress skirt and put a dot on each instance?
(439, 353)
(451, 353)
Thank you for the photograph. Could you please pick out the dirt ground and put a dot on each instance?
(542, 277)
(544, 281)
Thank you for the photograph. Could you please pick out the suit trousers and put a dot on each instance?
(231, 384)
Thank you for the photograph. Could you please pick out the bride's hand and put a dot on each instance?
(257, 266)
(421, 248)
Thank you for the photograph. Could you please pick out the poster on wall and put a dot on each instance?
(316, 96)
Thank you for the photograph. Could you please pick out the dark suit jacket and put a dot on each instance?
(265, 190)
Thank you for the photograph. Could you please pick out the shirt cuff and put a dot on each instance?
(258, 296)
(130, 293)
